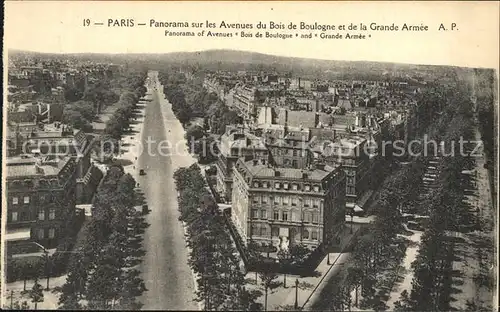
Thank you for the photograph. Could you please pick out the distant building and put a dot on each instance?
(245, 100)
(287, 145)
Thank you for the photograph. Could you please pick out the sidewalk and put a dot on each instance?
(132, 143)
(309, 288)
(411, 255)
(50, 301)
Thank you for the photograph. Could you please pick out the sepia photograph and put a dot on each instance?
(250, 156)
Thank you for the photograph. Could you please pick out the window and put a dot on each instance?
(277, 185)
(41, 215)
(277, 200)
(285, 200)
(294, 215)
(316, 203)
(15, 200)
(308, 188)
(263, 231)
(52, 214)
(285, 215)
(52, 233)
(264, 199)
(255, 229)
(305, 234)
(256, 184)
(314, 235)
(275, 231)
(40, 233)
(255, 213)
(307, 202)
(294, 201)
(256, 199)
(294, 152)
(14, 216)
(307, 217)
(285, 186)
(276, 215)
(263, 214)
(295, 164)
(315, 217)
(264, 184)
(316, 188)
(294, 187)
(26, 199)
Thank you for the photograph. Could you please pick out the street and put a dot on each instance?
(165, 268)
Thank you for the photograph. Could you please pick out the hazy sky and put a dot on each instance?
(58, 27)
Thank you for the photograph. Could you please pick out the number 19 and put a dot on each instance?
(86, 22)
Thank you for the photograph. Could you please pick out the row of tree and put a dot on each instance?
(102, 273)
(380, 247)
(190, 99)
(85, 103)
(400, 193)
(119, 122)
(449, 213)
(220, 279)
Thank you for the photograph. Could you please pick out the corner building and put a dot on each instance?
(283, 207)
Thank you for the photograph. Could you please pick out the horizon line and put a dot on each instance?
(9, 50)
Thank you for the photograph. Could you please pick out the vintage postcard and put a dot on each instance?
(250, 156)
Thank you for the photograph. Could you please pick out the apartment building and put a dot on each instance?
(288, 146)
(285, 206)
(57, 139)
(236, 143)
(244, 99)
(41, 197)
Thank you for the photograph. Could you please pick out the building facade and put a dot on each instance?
(236, 143)
(41, 198)
(282, 207)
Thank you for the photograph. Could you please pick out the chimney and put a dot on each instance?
(277, 173)
(304, 175)
(316, 119)
(255, 162)
(334, 134)
(320, 166)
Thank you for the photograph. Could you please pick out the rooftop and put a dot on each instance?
(297, 118)
(262, 171)
(238, 138)
(33, 166)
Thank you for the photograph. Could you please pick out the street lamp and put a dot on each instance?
(47, 271)
(296, 305)
(328, 255)
(352, 216)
